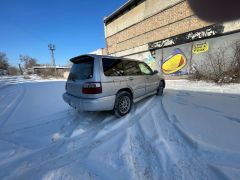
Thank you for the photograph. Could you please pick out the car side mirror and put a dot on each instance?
(155, 72)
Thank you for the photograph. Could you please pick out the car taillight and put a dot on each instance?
(92, 88)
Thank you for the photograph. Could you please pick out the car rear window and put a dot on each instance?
(82, 68)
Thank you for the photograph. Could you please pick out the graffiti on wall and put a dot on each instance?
(209, 32)
(174, 63)
(200, 48)
(162, 43)
(206, 32)
(147, 58)
(150, 60)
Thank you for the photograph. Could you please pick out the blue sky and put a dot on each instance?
(74, 26)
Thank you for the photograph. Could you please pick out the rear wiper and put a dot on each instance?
(72, 77)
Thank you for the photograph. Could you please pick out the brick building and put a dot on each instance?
(166, 34)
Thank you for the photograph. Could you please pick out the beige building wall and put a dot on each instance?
(155, 6)
(150, 21)
(137, 14)
(131, 17)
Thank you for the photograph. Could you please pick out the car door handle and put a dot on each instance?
(131, 78)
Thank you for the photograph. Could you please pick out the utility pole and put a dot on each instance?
(52, 49)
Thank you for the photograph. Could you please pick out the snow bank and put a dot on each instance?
(11, 80)
(202, 86)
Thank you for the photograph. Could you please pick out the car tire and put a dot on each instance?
(160, 89)
(123, 104)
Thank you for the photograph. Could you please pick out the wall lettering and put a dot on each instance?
(206, 32)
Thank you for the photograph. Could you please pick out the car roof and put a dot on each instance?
(100, 56)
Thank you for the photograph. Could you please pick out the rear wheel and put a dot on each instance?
(123, 104)
(160, 89)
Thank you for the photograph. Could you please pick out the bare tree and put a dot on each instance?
(12, 70)
(28, 61)
(3, 61)
(236, 58)
(217, 64)
(220, 67)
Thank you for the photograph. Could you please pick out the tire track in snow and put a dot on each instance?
(60, 150)
(175, 151)
(183, 149)
(161, 147)
(181, 100)
(206, 155)
(3, 87)
(11, 107)
(208, 151)
(70, 127)
(39, 122)
(6, 92)
(141, 159)
(209, 154)
(66, 156)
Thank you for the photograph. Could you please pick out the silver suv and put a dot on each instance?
(101, 83)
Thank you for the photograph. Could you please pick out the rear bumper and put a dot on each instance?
(99, 104)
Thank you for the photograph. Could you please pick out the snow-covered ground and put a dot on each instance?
(202, 86)
(6, 81)
(192, 132)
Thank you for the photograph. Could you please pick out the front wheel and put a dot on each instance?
(160, 89)
(123, 104)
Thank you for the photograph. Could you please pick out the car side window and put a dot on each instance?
(112, 67)
(131, 68)
(145, 69)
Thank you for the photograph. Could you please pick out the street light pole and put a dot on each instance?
(20, 68)
(52, 49)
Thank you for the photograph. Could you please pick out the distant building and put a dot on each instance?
(50, 67)
(63, 70)
(3, 72)
(166, 34)
(101, 51)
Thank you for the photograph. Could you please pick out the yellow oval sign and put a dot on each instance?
(200, 48)
(174, 64)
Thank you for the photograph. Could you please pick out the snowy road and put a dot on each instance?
(183, 135)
